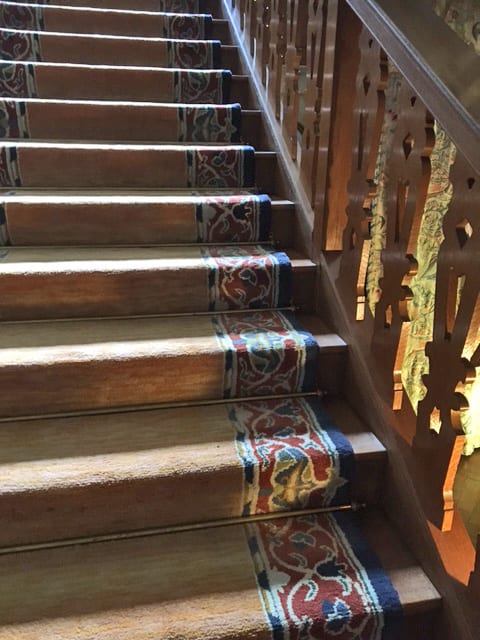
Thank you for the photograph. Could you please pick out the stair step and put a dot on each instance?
(91, 165)
(74, 48)
(102, 82)
(211, 584)
(68, 19)
(91, 48)
(33, 218)
(183, 465)
(96, 282)
(53, 367)
(175, 6)
(121, 121)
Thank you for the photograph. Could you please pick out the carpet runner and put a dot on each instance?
(91, 364)
(136, 138)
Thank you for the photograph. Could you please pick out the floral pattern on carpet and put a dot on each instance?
(266, 353)
(187, 27)
(209, 123)
(247, 277)
(17, 16)
(229, 167)
(9, 172)
(211, 87)
(185, 54)
(17, 80)
(243, 218)
(292, 454)
(13, 119)
(318, 578)
(19, 45)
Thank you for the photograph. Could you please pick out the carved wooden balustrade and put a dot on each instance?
(383, 133)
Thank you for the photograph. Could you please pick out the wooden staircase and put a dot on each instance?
(121, 484)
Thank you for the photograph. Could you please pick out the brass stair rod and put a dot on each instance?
(152, 316)
(182, 528)
(155, 407)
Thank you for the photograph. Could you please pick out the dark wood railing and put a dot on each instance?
(377, 104)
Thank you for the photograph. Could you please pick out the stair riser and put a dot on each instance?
(123, 381)
(117, 50)
(135, 503)
(133, 222)
(92, 365)
(213, 7)
(122, 122)
(37, 296)
(118, 83)
(129, 167)
(74, 49)
(71, 387)
(84, 21)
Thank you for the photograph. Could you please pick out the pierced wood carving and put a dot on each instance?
(454, 351)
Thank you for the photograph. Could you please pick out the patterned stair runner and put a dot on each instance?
(149, 385)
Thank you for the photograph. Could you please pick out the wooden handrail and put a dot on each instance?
(442, 69)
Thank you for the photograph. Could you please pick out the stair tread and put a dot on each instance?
(38, 454)
(198, 583)
(42, 283)
(129, 331)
